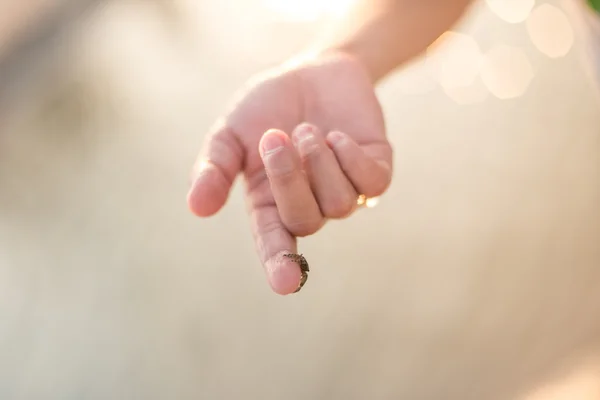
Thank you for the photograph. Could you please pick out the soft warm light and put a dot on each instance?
(369, 202)
(513, 11)
(455, 59)
(416, 77)
(465, 95)
(506, 72)
(582, 384)
(550, 31)
(306, 10)
(372, 202)
(361, 200)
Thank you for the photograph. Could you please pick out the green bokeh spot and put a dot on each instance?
(595, 4)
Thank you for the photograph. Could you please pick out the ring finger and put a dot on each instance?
(333, 191)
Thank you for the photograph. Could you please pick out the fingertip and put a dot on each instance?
(368, 167)
(272, 141)
(336, 138)
(303, 130)
(387, 172)
(209, 191)
(283, 275)
(274, 131)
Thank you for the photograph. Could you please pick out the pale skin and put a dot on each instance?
(309, 136)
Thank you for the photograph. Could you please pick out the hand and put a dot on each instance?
(337, 150)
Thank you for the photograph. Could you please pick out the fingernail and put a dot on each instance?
(276, 161)
(304, 132)
(271, 143)
(335, 138)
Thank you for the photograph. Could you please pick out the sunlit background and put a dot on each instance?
(475, 275)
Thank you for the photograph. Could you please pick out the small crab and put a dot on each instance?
(304, 269)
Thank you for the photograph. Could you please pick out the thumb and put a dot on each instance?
(216, 167)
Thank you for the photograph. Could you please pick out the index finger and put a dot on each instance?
(274, 242)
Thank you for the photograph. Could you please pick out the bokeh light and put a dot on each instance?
(415, 78)
(506, 72)
(364, 201)
(372, 202)
(512, 11)
(465, 95)
(550, 31)
(455, 59)
(361, 200)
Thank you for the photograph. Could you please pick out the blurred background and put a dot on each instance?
(475, 277)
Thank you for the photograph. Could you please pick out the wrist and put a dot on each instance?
(381, 35)
(375, 64)
(321, 55)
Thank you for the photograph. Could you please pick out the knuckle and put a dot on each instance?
(268, 228)
(304, 228)
(282, 175)
(280, 169)
(339, 207)
(223, 142)
(312, 151)
(380, 181)
(378, 188)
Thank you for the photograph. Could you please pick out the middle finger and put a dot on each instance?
(296, 204)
